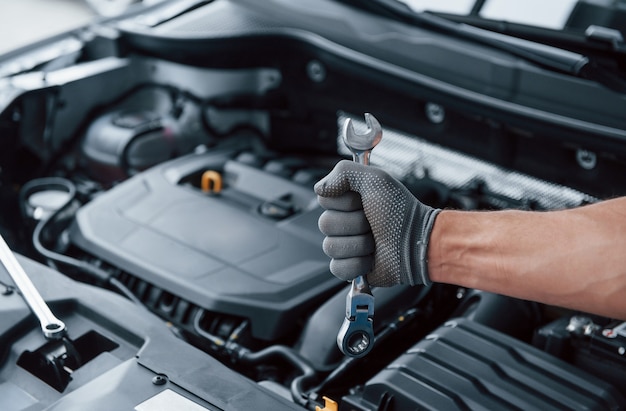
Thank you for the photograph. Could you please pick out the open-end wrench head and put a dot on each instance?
(362, 142)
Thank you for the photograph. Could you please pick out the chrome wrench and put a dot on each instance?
(52, 327)
(356, 335)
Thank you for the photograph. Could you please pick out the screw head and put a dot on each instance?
(435, 113)
(316, 71)
(586, 159)
(159, 379)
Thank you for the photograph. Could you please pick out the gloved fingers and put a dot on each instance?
(349, 246)
(343, 223)
(348, 269)
(348, 201)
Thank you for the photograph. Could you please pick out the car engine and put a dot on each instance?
(158, 187)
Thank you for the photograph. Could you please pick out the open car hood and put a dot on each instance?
(178, 294)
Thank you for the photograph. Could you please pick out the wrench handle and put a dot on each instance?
(52, 327)
(361, 157)
(360, 283)
(356, 335)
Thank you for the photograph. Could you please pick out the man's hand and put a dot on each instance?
(374, 226)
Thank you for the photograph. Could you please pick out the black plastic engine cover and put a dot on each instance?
(464, 365)
(142, 366)
(217, 251)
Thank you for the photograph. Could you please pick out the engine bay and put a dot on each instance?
(166, 175)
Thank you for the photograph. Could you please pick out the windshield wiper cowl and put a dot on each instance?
(550, 57)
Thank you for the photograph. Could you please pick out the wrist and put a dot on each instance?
(464, 248)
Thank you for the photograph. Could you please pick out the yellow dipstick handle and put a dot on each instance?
(211, 182)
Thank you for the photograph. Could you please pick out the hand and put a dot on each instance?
(374, 226)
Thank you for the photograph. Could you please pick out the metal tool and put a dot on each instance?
(356, 335)
(52, 327)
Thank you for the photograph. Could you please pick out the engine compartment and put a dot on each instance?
(174, 165)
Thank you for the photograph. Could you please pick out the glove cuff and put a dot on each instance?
(419, 265)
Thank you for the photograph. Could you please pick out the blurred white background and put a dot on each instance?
(544, 13)
(25, 21)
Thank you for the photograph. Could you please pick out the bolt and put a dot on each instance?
(316, 71)
(159, 379)
(586, 159)
(435, 113)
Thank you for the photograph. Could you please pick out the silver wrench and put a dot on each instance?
(52, 327)
(356, 335)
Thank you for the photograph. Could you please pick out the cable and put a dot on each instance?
(244, 355)
(387, 331)
(286, 353)
(118, 285)
(100, 275)
(205, 334)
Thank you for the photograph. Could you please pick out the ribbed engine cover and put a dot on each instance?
(215, 251)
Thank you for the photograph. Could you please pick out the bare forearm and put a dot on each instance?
(572, 258)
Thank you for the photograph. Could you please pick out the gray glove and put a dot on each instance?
(374, 226)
